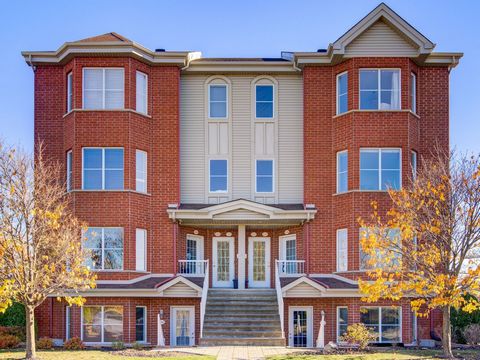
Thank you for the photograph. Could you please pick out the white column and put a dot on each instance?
(241, 256)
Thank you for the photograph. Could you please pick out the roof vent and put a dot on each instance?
(321, 50)
(159, 50)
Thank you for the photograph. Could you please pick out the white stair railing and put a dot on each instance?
(278, 288)
(291, 267)
(192, 267)
(203, 301)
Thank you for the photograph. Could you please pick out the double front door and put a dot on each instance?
(258, 260)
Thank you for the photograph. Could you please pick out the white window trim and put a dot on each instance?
(273, 176)
(103, 248)
(146, 171)
(338, 171)
(68, 324)
(145, 234)
(379, 87)
(400, 325)
(338, 322)
(379, 187)
(145, 327)
(103, 88)
(146, 92)
(309, 310)
(226, 101)
(338, 249)
(69, 170)
(338, 92)
(283, 246)
(413, 92)
(173, 341)
(69, 91)
(103, 168)
(200, 244)
(273, 101)
(102, 326)
(210, 177)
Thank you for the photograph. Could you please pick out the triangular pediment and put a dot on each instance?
(240, 213)
(382, 32)
(303, 287)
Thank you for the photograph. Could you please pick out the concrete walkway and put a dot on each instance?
(235, 352)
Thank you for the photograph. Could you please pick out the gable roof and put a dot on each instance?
(108, 37)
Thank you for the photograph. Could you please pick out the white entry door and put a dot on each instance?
(223, 270)
(182, 326)
(300, 326)
(259, 262)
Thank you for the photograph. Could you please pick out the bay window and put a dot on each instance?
(380, 89)
(366, 260)
(342, 93)
(103, 88)
(380, 169)
(69, 91)
(141, 93)
(384, 322)
(102, 168)
(106, 248)
(141, 171)
(342, 171)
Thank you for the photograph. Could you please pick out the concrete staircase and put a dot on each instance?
(242, 317)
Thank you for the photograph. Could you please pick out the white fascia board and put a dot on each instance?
(241, 66)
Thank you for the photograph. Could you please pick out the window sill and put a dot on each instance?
(108, 191)
(376, 111)
(362, 191)
(108, 110)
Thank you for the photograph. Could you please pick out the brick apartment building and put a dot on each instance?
(200, 175)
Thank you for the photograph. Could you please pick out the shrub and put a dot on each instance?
(9, 341)
(118, 345)
(471, 333)
(358, 334)
(45, 343)
(13, 316)
(75, 343)
(18, 331)
(137, 346)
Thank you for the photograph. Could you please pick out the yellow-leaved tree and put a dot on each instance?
(427, 246)
(41, 252)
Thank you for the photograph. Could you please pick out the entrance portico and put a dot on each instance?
(241, 240)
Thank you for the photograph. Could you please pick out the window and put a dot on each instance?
(106, 246)
(380, 169)
(142, 91)
(264, 101)
(192, 249)
(69, 91)
(366, 259)
(342, 321)
(68, 322)
(217, 101)
(102, 324)
(264, 176)
(413, 160)
(413, 92)
(218, 175)
(69, 170)
(342, 93)
(102, 168)
(140, 249)
(342, 250)
(384, 322)
(141, 323)
(141, 171)
(379, 89)
(103, 88)
(342, 171)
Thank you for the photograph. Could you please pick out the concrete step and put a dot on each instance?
(234, 333)
(241, 321)
(247, 341)
(241, 327)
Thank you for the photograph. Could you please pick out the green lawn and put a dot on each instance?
(94, 354)
(384, 354)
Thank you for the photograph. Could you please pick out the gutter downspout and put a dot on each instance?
(30, 63)
(307, 246)
(295, 67)
(175, 228)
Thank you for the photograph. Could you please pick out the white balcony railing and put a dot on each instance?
(291, 267)
(192, 267)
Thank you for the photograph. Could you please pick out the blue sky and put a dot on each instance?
(261, 28)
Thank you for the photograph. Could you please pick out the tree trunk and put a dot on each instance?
(30, 347)
(447, 333)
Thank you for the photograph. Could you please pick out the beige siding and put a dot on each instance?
(180, 289)
(380, 40)
(287, 140)
(303, 290)
(192, 139)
